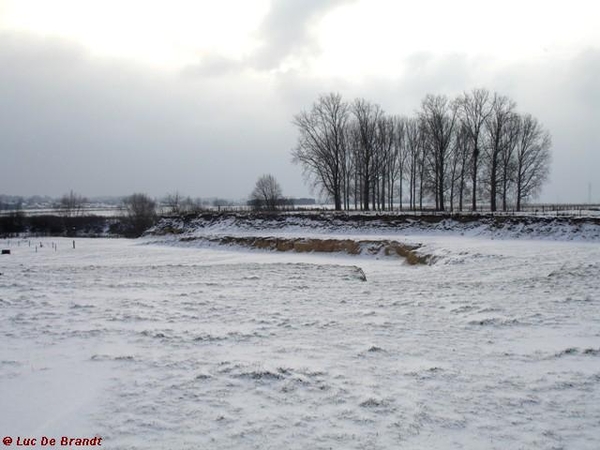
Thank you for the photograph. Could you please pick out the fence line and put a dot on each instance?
(544, 209)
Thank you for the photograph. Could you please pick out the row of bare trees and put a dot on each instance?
(475, 148)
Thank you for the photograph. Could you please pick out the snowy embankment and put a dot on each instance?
(360, 234)
(511, 227)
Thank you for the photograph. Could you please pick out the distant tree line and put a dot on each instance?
(17, 223)
(454, 153)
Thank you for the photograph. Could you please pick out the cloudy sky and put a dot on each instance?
(112, 97)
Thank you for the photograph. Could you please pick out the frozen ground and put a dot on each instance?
(495, 346)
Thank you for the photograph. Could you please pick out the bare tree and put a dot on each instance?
(174, 203)
(355, 168)
(532, 159)
(414, 152)
(475, 107)
(462, 155)
(72, 204)
(438, 115)
(189, 205)
(140, 213)
(321, 148)
(398, 158)
(266, 194)
(386, 166)
(367, 115)
(458, 167)
(507, 159)
(498, 138)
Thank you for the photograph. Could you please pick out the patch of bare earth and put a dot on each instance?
(303, 245)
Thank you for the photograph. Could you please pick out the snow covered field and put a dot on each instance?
(495, 346)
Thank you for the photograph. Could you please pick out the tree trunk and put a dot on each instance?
(474, 177)
(504, 194)
(493, 183)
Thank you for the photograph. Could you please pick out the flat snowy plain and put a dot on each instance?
(159, 346)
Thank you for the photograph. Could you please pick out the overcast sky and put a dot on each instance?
(112, 97)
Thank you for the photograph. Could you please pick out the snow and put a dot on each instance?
(160, 344)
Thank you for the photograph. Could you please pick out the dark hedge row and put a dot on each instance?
(51, 225)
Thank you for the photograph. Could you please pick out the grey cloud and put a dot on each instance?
(285, 30)
(565, 96)
(587, 66)
(71, 122)
(213, 65)
(110, 128)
